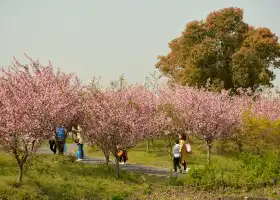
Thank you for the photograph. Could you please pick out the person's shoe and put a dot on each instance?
(180, 171)
(79, 159)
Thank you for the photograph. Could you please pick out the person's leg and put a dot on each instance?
(184, 165)
(54, 147)
(61, 144)
(175, 164)
(82, 151)
(178, 164)
(124, 158)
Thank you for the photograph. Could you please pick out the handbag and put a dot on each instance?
(189, 148)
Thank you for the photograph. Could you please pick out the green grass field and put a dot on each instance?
(51, 177)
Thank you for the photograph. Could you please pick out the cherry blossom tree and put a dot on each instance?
(154, 121)
(208, 115)
(118, 117)
(33, 101)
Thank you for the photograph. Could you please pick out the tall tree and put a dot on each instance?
(224, 49)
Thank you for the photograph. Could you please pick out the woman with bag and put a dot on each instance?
(184, 147)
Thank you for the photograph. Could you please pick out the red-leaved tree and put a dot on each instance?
(33, 101)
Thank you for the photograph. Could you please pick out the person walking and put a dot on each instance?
(176, 157)
(61, 137)
(80, 142)
(183, 151)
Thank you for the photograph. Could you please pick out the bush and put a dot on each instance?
(251, 171)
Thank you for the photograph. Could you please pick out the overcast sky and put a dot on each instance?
(107, 38)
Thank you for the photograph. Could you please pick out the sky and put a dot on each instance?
(105, 38)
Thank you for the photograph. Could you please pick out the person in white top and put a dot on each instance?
(80, 141)
(176, 157)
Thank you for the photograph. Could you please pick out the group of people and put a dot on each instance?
(180, 152)
(58, 142)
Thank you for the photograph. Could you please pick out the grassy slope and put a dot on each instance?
(53, 177)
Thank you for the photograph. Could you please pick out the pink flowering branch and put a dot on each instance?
(34, 100)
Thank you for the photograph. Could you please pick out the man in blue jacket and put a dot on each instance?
(61, 137)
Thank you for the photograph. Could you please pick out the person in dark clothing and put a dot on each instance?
(52, 146)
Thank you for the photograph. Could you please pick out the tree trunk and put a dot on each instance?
(208, 143)
(148, 146)
(20, 162)
(170, 147)
(240, 146)
(117, 166)
(152, 140)
(20, 172)
(107, 155)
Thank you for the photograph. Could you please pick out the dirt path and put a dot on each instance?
(129, 167)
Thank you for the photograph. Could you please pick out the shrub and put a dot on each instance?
(250, 171)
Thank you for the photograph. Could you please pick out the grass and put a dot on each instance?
(49, 177)
(59, 177)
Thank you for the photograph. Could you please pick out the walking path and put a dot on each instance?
(129, 167)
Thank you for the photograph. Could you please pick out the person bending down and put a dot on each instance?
(52, 146)
(122, 153)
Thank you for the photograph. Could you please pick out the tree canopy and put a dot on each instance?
(223, 49)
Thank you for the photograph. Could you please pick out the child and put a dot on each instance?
(177, 156)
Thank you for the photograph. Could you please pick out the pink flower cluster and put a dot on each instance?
(119, 118)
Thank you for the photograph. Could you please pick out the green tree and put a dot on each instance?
(223, 49)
